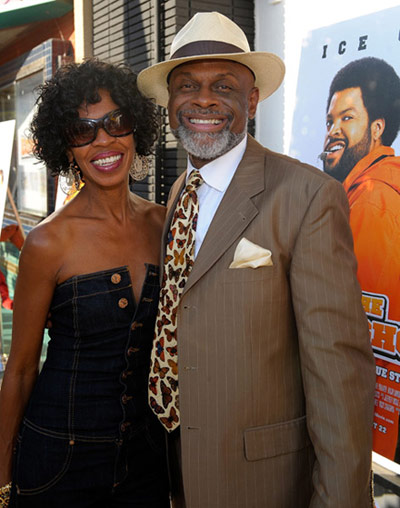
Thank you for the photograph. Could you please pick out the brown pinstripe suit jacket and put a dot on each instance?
(276, 373)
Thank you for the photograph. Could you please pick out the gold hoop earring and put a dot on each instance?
(140, 167)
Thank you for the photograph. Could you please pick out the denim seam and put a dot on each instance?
(71, 408)
(64, 435)
(53, 481)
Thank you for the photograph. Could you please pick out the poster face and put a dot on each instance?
(340, 137)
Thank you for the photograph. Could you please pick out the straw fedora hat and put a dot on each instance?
(212, 35)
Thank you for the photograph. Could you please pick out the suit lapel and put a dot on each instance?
(235, 212)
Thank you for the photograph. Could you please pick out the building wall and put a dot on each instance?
(36, 33)
(126, 32)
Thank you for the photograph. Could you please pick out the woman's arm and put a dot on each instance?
(33, 294)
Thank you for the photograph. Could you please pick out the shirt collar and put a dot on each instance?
(219, 172)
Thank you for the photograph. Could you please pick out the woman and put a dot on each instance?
(87, 438)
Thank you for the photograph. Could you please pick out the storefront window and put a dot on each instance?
(32, 180)
(7, 112)
(7, 103)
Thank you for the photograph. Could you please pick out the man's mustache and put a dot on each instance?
(208, 112)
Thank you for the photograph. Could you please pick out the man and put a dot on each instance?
(363, 118)
(276, 373)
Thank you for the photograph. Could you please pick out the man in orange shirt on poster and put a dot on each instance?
(363, 119)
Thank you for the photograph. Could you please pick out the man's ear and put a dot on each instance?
(377, 128)
(253, 101)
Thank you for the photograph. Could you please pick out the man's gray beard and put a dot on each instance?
(208, 145)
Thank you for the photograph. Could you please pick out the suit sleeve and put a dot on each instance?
(337, 363)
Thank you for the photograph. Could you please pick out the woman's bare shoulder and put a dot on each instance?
(47, 238)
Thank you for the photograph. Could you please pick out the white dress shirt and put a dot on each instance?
(217, 176)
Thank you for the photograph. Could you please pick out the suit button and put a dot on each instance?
(122, 303)
(115, 278)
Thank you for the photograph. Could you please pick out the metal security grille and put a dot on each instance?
(140, 33)
(124, 31)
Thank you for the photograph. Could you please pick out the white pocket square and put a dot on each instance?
(250, 255)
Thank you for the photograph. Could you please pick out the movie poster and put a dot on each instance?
(339, 137)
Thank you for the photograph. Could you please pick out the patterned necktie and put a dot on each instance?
(179, 259)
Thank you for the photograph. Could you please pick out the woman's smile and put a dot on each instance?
(107, 161)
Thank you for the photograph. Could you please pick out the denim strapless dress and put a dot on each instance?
(88, 410)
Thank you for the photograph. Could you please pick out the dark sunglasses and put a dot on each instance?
(84, 130)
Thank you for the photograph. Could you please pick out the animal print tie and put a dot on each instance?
(179, 259)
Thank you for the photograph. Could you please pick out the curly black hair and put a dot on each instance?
(380, 88)
(75, 84)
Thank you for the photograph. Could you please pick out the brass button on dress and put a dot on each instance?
(122, 303)
(115, 278)
(132, 350)
(124, 426)
(125, 398)
(135, 325)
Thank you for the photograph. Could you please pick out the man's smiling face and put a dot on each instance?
(210, 102)
(348, 137)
